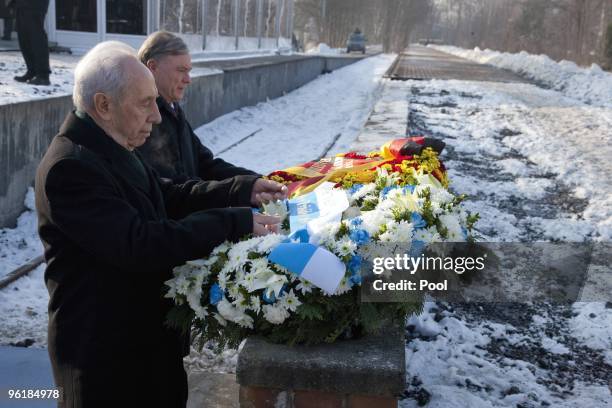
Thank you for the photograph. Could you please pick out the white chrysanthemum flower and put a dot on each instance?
(234, 314)
(247, 281)
(436, 209)
(269, 242)
(260, 266)
(362, 192)
(441, 196)
(275, 283)
(182, 284)
(373, 220)
(275, 314)
(403, 231)
(451, 222)
(304, 286)
(407, 201)
(171, 284)
(255, 304)
(226, 310)
(387, 204)
(427, 235)
(200, 311)
(240, 302)
(326, 235)
(427, 180)
(224, 247)
(344, 286)
(237, 257)
(290, 301)
(233, 289)
(389, 234)
(374, 250)
(220, 319)
(194, 297)
(344, 247)
(222, 279)
(245, 321)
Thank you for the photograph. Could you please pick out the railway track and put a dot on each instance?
(23, 270)
(424, 63)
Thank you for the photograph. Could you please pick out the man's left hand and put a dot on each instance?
(267, 190)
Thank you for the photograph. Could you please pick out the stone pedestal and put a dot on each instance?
(366, 372)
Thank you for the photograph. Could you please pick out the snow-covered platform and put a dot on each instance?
(420, 62)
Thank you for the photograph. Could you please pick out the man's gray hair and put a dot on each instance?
(101, 71)
(160, 44)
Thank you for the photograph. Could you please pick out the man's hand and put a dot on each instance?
(267, 190)
(264, 224)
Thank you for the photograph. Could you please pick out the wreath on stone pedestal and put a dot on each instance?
(397, 195)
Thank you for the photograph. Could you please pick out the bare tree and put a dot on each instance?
(562, 29)
(389, 22)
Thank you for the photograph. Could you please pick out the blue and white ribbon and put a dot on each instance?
(310, 262)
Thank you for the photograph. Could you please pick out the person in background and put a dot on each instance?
(33, 40)
(6, 13)
(173, 149)
(113, 230)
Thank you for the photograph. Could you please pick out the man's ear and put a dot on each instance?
(151, 64)
(102, 105)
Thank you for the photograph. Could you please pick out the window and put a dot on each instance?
(76, 15)
(126, 17)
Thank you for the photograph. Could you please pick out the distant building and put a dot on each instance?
(81, 24)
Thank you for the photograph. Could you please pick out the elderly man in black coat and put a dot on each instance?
(173, 149)
(112, 232)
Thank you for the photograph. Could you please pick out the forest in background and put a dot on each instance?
(575, 30)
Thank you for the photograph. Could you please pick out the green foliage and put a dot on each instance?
(180, 318)
(343, 230)
(310, 311)
(369, 204)
(401, 214)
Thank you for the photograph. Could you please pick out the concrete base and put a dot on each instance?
(212, 390)
(345, 373)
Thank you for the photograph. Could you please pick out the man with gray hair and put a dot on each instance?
(112, 232)
(173, 149)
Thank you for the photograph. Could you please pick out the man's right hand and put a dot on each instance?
(264, 224)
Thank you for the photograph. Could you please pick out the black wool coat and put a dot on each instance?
(112, 232)
(175, 152)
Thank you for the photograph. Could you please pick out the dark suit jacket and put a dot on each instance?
(111, 236)
(174, 150)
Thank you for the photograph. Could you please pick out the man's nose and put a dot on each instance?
(187, 78)
(155, 116)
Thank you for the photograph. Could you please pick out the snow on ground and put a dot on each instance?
(20, 244)
(12, 64)
(536, 165)
(545, 149)
(301, 125)
(62, 69)
(590, 85)
(504, 356)
(325, 49)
